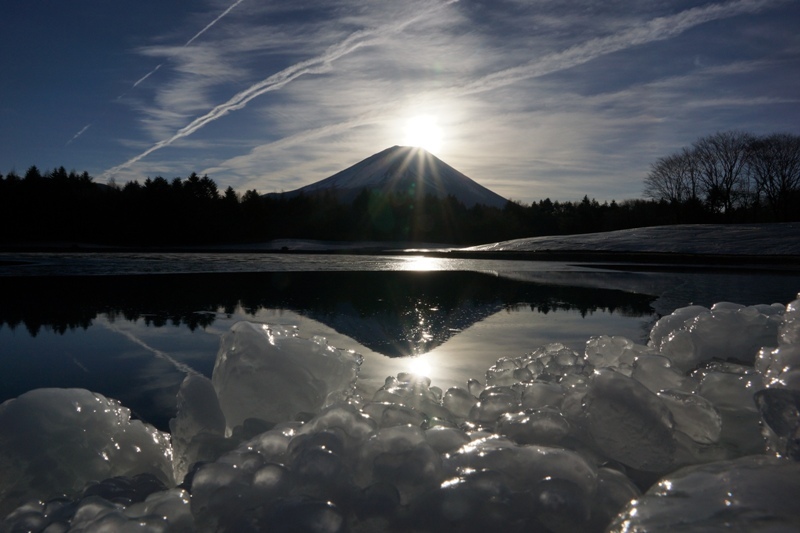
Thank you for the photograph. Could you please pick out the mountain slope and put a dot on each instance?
(404, 170)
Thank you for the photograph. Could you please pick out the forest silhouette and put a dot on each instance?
(730, 177)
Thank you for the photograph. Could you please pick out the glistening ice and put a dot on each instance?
(697, 430)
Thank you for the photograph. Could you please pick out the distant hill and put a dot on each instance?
(403, 170)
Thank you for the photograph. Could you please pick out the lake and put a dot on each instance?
(130, 326)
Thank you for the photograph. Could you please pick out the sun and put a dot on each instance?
(423, 131)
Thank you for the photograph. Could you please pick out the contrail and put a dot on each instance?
(182, 367)
(201, 32)
(654, 30)
(190, 41)
(316, 65)
(657, 29)
(140, 80)
(86, 127)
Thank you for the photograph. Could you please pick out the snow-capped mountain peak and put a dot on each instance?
(404, 170)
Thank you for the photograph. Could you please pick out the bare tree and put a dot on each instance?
(774, 163)
(722, 159)
(674, 178)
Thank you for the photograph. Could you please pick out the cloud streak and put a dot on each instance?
(316, 65)
(657, 29)
(83, 130)
(190, 41)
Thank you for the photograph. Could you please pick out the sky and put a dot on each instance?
(531, 98)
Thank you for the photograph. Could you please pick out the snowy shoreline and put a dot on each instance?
(691, 243)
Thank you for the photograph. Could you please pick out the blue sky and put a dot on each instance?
(531, 98)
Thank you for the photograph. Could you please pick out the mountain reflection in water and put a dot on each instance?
(392, 313)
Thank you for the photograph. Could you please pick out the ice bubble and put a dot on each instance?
(459, 402)
(628, 423)
(524, 466)
(54, 441)
(493, 402)
(754, 493)
(269, 373)
(614, 352)
(446, 440)
(400, 456)
(412, 392)
(543, 426)
(541, 394)
(555, 360)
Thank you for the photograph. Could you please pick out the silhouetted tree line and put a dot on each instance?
(460, 299)
(730, 176)
(726, 177)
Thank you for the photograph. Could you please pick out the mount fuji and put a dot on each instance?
(403, 170)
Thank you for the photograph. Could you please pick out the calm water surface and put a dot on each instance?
(131, 325)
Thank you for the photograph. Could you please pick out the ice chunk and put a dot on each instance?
(459, 402)
(789, 331)
(269, 373)
(543, 426)
(729, 386)
(493, 402)
(691, 336)
(541, 394)
(414, 392)
(402, 457)
(199, 426)
(614, 352)
(693, 415)
(54, 441)
(778, 365)
(446, 440)
(656, 373)
(780, 411)
(747, 494)
(614, 491)
(629, 423)
(673, 322)
(525, 466)
(555, 360)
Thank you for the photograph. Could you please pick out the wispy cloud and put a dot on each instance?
(535, 100)
(316, 65)
(187, 43)
(655, 30)
(556, 132)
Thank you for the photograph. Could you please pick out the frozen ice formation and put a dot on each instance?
(752, 493)
(698, 430)
(55, 441)
(268, 373)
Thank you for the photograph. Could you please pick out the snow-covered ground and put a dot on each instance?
(734, 239)
(701, 239)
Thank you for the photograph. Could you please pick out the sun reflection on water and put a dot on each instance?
(422, 263)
